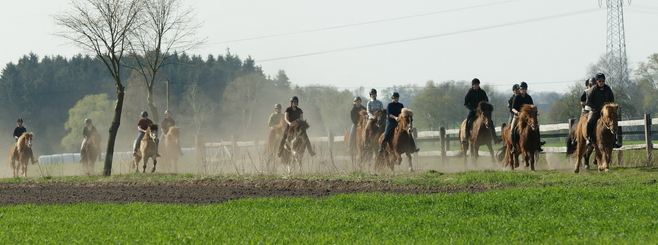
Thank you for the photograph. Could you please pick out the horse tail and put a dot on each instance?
(571, 147)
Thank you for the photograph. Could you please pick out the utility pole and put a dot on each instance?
(167, 82)
(616, 45)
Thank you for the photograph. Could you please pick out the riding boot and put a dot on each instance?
(283, 142)
(515, 139)
(136, 148)
(308, 146)
(467, 131)
(382, 148)
(413, 147)
(590, 128)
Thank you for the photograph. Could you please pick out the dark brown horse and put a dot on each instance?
(90, 152)
(527, 127)
(147, 149)
(400, 143)
(372, 133)
(606, 128)
(21, 152)
(171, 149)
(295, 145)
(480, 133)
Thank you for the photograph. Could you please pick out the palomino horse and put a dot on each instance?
(527, 127)
(274, 138)
(359, 136)
(21, 152)
(374, 132)
(480, 133)
(400, 143)
(147, 149)
(171, 149)
(295, 145)
(90, 152)
(604, 133)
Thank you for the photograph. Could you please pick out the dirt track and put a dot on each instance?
(205, 191)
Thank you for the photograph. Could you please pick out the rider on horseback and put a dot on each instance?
(519, 100)
(597, 96)
(393, 110)
(142, 125)
(167, 123)
(276, 117)
(356, 117)
(87, 131)
(18, 131)
(372, 106)
(293, 113)
(473, 97)
(589, 83)
(515, 91)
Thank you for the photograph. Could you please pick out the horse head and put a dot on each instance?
(173, 132)
(380, 115)
(299, 126)
(528, 116)
(609, 116)
(405, 119)
(25, 140)
(152, 132)
(484, 110)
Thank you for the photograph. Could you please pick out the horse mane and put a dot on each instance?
(363, 113)
(609, 110)
(484, 106)
(151, 128)
(22, 140)
(526, 111)
(402, 118)
(406, 113)
(379, 113)
(298, 125)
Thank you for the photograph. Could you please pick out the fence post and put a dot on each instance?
(200, 152)
(234, 145)
(331, 141)
(647, 137)
(442, 145)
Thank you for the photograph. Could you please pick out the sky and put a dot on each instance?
(550, 44)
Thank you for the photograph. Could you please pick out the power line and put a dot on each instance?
(438, 35)
(359, 24)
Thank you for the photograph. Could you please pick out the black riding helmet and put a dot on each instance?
(395, 95)
(19, 120)
(373, 91)
(144, 114)
(357, 98)
(592, 81)
(524, 85)
(294, 98)
(475, 81)
(600, 76)
(88, 120)
(277, 106)
(515, 86)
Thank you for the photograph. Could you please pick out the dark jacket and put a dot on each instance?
(510, 102)
(355, 113)
(86, 133)
(520, 100)
(167, 123)
(393, 109)
(473, 98)
(597, 97)
(19, 131)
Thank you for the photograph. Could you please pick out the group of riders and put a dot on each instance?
(596, 94)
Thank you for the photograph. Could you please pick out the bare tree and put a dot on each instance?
(166, 26)
(103, 27)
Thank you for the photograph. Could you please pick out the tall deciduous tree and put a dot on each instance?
(103, 27)
(165, 26)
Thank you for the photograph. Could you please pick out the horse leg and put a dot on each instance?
(580, 151)
(155, 162)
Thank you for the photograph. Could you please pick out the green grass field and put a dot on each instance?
(616, 207)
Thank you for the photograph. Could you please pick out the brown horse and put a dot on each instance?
(375, 129)
(359, 137)
(274, 138)
(171, 149)
(295, 145)
(400, 143)
(527, 127)
(606, 128)
(21, 152)
(480, 133)
(90, 152)
(572, 143)
(147, 149)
